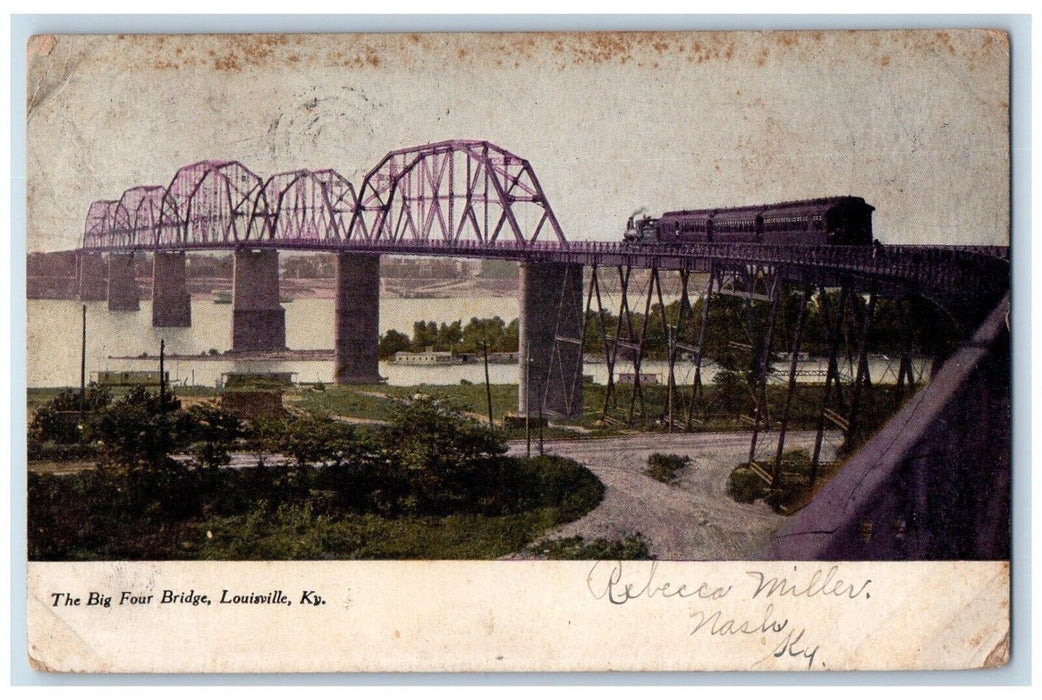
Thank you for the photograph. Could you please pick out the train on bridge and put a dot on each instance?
(823, 221)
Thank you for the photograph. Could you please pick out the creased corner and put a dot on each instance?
(999, 656)
(38, 665)
(40, 45)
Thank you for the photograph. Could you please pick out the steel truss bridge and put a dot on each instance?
(474, 199)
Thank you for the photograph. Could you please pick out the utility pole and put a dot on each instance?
(162, 403)
(162, 374)
(488, 386)
(528, 408)
(539, 398)
(83, 367)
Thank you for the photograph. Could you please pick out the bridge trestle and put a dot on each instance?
(258, 319)
(357, 314)
(171, 303)
(550, 322)
(92, 283)
(122, 290)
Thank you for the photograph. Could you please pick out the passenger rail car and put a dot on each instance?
(826, 221)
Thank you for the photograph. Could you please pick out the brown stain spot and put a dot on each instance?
(228, 62)
(461, 53)
(884, 60)
(397, 634)
(40, 45)
(761, 57)
(294, 58)
(945, 40)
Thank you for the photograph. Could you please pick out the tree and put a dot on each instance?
(438, 451)
(139, 430)
(57, 420)
(729, 391)
(315, 438)
(392, 342)
(424, 335)
(214, 431)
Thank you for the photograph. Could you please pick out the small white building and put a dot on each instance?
(427, 358)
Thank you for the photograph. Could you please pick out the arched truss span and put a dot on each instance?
(97, 229)
(213, 201)
(453, 191)
(136, 218)
(306, 205)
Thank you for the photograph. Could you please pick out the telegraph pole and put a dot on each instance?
(528, 408)
(83, 366)
(539, 398)
(488, 387)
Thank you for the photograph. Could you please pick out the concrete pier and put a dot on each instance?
(551, 311)
(171, 303)
(357, 318)
(123, 293)
(258, 321)
(93, 286)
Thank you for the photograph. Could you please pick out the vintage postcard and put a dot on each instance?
(519, 352)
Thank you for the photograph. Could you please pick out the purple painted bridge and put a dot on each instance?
(465, 198)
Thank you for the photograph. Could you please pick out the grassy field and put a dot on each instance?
(625, 412)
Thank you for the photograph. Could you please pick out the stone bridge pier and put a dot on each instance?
(357, 318)
(123, 293)
(93, 286)
(258, 320)
(550, 328)
(171, 303)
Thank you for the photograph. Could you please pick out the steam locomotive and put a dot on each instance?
(824, 221)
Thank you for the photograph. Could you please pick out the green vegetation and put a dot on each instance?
(666, 468)
(729, 329)
(630, 547)
(497, 335)
(431, 483)
(745, 486)
(730, 321)
(377, 401)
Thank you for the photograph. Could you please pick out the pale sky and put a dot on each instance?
(915, 122)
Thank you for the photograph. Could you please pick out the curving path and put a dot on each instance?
(694, 519)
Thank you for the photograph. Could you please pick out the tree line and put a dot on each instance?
(733, 329)
(494, 333)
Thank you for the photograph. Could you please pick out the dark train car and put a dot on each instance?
(825, 221)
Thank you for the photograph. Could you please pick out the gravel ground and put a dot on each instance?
(693, 519)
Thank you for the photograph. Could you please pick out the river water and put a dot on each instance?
(54, 326)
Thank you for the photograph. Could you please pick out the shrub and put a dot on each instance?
(140, 430)
(666, 468)
(214, 431)
(57, 421)
(310, 439)
(745, 486)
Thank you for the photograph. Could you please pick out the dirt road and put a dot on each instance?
(694, 519)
